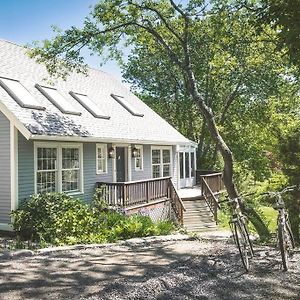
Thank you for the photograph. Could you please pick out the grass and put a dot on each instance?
(269, 215)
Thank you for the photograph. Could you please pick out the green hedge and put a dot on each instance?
(59, 219)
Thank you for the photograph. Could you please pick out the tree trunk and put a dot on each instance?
(226, 153)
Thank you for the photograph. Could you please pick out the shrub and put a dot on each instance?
(59, 219)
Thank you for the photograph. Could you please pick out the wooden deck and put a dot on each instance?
(190, 192)
(124, 195)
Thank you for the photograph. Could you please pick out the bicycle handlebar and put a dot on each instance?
(285, 190)
(272, 194)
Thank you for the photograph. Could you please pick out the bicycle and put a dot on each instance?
(285, 236)
(240, 232)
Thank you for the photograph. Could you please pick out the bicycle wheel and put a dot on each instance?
(290, 238)
(249, 242)
(241, 243)
(282, 246)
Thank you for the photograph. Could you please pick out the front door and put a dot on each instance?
(120, 164)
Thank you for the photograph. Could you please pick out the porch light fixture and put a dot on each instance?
(134, 152)
(111, 152)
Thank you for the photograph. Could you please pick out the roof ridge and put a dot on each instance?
(24, 47)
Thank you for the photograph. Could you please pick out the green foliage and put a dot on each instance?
(59, 219)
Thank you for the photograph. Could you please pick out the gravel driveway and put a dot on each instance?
(186, 269)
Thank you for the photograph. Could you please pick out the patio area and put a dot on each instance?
(190, 192)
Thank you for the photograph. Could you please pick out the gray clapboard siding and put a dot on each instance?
(25, 168)
(146, 173)
(89, 171)
(5, 192)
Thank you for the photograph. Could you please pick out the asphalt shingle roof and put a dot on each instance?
(122, 125)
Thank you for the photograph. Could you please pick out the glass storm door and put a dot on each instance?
(186, 169)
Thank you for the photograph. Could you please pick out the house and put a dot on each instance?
(70, 136)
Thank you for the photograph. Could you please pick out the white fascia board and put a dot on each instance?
(104, 140)
(14, 120)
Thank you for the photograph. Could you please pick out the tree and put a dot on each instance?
(284, 17)
(289, 153)
(164, 26)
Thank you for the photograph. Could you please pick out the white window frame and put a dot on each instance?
(59, 147)
(103, 147)
(161, 148)
(141, 149)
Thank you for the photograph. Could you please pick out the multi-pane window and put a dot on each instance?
(166, 162)
(101, 154)
(58, 169)
(187, 165)
(46, 176)
(181, 164)
(70, 169)
(161, 162)
(192, 164)
(138, 161)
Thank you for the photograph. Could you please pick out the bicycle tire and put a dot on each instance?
(247, 235)
(282, 247)
(291, 236)
(241, 243)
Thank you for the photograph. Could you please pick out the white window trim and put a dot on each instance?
(59, 147)
(161, 148)
(141, 148)
(104, 148)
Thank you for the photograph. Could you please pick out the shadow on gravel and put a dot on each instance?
(149, 272)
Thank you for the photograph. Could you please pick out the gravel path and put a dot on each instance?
(161, 270)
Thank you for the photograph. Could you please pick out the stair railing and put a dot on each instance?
(210, 198)
(176, 202)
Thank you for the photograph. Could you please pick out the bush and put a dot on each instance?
(59, 219)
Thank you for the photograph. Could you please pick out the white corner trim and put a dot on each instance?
(14, 120)
(13, 166)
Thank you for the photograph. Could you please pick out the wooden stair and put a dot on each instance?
(197, 216)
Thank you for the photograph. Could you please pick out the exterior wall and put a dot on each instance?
(146, 173)
(89, 171)
(90, 177)
(25, 168)
(5, 172)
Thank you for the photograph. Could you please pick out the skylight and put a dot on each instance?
(19, 93)
(127, 105)
(57, 99)
(89, 105)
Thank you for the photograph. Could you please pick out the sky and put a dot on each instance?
(25, 21)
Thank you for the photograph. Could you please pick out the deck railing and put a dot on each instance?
(132, 193)
(211, 185)
(212, 178)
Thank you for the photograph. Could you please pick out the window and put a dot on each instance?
(138, 160)
(70, 169)
(161, 162)
(57, 99)
(192, 164)
(101, 158)
(187, 165)
(58, 168)
(89, 105)
(20, 94)
(121, 100)
(46, 170)
(181, 164)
